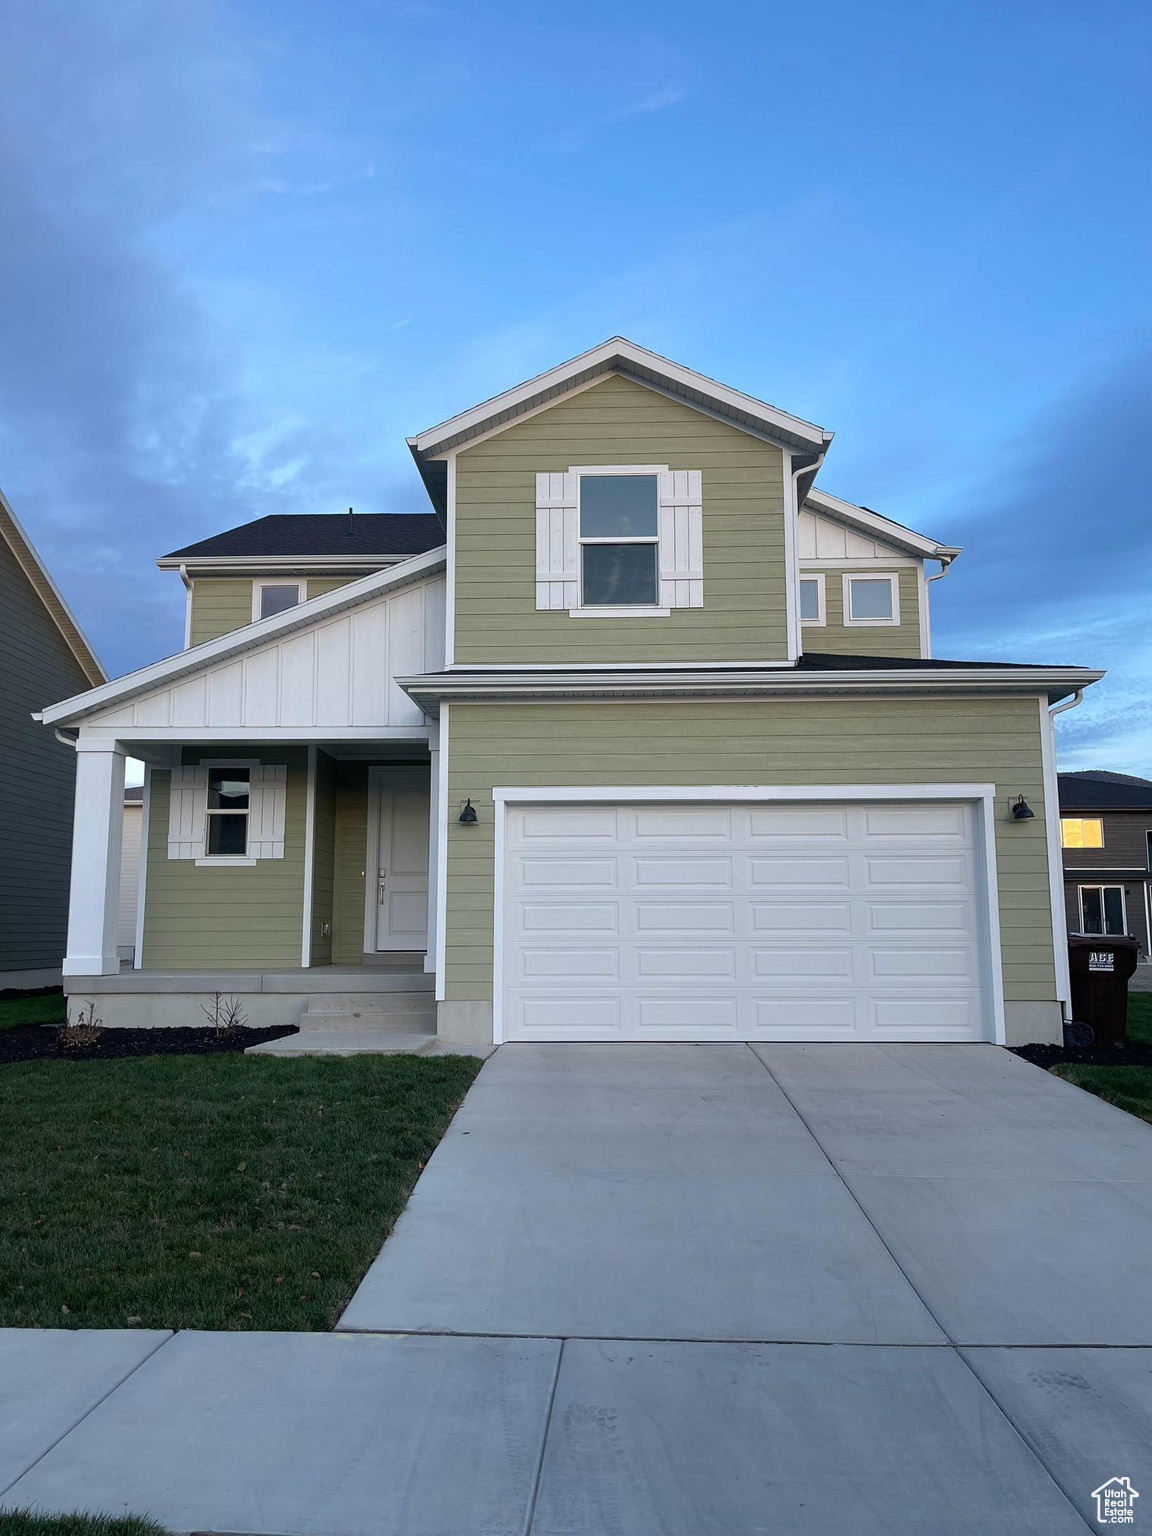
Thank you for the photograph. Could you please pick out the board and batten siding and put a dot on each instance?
(221, 604)
(620, 422)
(207, 917)
(875, 741)
(842, 639)
(37, 776)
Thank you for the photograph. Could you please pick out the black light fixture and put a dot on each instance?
(468, 814)
(1021, 810)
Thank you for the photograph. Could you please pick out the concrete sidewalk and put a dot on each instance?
(686, 1290)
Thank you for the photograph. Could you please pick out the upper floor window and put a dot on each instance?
(871, 600)
(270, 597)
(1081, 832)
(619, 535)
(812, 600)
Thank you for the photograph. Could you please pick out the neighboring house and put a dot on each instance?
(43, 653)
(130, 872)
(1106, 835)
(637, 736)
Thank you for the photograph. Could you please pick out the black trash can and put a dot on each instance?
(1101, 965)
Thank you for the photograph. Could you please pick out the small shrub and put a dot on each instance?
(85, 1029)
(224, 1014)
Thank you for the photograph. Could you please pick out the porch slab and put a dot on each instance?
(313, 1433)
(51, 1377)
(320, 979)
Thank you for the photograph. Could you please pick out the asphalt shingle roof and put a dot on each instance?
(363, 535)
(1097, 791)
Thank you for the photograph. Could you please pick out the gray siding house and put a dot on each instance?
(44, 652)
(1106, 836)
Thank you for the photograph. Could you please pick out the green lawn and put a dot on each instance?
(213, 1192)
(31, 1010)
(24, 1523)
(1128, 1088)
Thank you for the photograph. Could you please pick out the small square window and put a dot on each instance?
(278, 598)
(870, 600)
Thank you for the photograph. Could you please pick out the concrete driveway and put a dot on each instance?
(711, 1290)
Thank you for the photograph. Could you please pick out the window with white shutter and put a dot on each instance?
(228, 813)
(619, 540)
(186, 813)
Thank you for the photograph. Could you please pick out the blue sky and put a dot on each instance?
(249, 247)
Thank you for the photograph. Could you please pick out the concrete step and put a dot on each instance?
(347, 1042)
(400, 1006)
(351, 1024)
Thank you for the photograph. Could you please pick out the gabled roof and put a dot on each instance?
(617, 355)
(48, 593)
(1096, 790)
(874, 525)
(236, 641)
(359, 536)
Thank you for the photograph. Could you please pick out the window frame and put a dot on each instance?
(653, 610)
(893, 580)
(245, 860)
(1105, 886)
(816, 577)
(1082, 821)
(259, 585)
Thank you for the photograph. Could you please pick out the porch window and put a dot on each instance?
(228, 808)
(1102, 909)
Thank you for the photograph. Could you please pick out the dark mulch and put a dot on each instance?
(1133, 1055)
(38, 1042)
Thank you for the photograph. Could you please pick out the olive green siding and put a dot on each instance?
(220, 604)
(874, 741)
(323, 858)
(351, 843)
(200, 917)
(620, 422)
(901, 639)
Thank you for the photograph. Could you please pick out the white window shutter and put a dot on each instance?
(267, 794)
(681, 540)
(557, 544)
(187, 813)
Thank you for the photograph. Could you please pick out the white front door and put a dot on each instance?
(830, 921)
(398, 846)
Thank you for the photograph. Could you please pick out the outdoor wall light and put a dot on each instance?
(468, 814)
(1021, 810)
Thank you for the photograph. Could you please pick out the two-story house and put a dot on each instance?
(638, 735)
(1106, 835)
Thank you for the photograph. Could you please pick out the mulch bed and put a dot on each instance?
(38, 1042)
(1086, 1056)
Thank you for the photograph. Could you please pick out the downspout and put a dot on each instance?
(811, 466)
(945, 562)
(65, 740)
(184, 577)
(1055, 853)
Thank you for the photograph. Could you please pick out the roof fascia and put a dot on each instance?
(40, 578)
(882, 527)
(195, 563)
(604, 358)
(353, 595)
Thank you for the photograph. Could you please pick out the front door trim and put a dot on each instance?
(981, 796)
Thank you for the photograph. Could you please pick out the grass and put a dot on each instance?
(15, 1011)
(219, 1192)
(1129, 1088)
(25, 1523)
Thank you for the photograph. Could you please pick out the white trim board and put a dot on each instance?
(981, 796)
(1055, 859)
(142, 886)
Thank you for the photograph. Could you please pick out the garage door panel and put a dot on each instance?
(655, 964)
(746, 921)
(568, 917)
(684, 917)
(800, 918)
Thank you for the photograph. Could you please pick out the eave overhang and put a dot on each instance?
(873, 524)
(438, 688)
(619, 356)
(219, 565)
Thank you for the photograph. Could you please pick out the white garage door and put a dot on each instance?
(743, 922)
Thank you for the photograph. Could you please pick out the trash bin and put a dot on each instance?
(1101, 965)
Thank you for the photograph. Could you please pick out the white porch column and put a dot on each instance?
(98, 825)
(433, 853)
